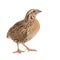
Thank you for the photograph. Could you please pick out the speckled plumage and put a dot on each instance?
(25, 29)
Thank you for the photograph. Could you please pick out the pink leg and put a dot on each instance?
(18, 50)
(29, 48)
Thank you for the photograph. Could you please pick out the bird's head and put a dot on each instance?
(31, 14)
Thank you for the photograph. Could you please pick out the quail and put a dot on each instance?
(24, 30)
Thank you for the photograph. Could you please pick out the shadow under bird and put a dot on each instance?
(24, 30)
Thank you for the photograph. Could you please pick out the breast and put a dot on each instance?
(33, 29)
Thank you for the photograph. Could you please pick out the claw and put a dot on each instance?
(18, 51)
(31, 49)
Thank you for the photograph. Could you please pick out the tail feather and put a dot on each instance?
(8, 35)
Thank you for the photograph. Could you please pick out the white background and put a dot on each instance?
(47, 41)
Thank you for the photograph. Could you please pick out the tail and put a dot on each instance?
(8, 35)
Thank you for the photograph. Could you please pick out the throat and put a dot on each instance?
(30, 17)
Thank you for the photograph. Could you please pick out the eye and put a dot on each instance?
(34, 11)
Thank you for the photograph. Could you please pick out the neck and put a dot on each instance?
(30, 17)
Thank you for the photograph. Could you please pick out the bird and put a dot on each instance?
(24, 30)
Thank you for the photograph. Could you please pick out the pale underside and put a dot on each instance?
(32, 30)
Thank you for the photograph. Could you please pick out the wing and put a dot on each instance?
(18, 31)
(22, 34)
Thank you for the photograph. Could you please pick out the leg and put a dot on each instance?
(29, 48)
(18, 50)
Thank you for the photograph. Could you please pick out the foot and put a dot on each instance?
(31, 49)
(18, 51)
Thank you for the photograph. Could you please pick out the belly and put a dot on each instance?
(32, 30)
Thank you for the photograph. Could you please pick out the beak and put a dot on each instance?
(38, 11)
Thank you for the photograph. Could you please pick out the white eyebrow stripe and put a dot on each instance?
(30, 11)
